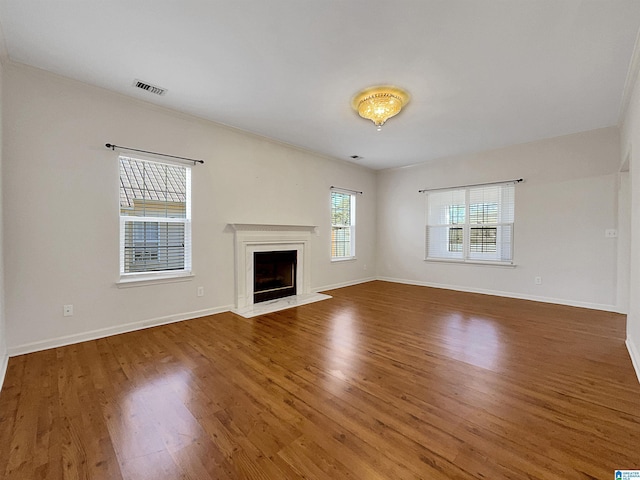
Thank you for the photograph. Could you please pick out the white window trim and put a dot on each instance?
(485, 263)
(155, 278)
(343, 259)
(136, 279)
(352, 226)
(466, 246)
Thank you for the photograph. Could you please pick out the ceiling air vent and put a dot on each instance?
(149, 88)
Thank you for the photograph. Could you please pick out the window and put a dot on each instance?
(343, 225)
(155, 217)
(473, 224)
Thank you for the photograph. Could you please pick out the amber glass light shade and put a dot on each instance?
(378, 104)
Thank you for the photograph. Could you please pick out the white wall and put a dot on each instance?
(3, 344)
(568, 200)
(630, 146)
(61, 208)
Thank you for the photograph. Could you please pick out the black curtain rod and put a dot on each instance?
(474, 185)
(113, 147)
(347, 190)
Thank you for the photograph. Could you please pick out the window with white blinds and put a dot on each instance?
(155, 217)
(473, 224)
(343, 225)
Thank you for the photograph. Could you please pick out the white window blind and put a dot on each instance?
(343, 217)
(155, 217)
(473, 224)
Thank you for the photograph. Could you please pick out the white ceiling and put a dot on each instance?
(482, 73)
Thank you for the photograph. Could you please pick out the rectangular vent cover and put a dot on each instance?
(149, 88)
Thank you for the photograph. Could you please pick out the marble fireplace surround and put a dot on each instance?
(255, 237)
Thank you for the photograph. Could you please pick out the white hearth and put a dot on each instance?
(270, 306)
(251, 238)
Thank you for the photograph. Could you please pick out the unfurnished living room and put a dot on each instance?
(323, 240)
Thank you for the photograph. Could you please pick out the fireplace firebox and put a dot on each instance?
(274, 275)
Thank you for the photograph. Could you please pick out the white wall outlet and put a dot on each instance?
(537, 280)
(67, 310)
(200, 292)
(611, 233)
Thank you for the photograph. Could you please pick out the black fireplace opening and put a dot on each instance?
(274, 275)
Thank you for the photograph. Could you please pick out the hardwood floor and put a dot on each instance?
(384, 381)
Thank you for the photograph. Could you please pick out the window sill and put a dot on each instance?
(343, 259)
(471, 262)
(140, 280)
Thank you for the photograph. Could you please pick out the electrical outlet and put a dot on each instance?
(611, 233)
(67, 310)
(200, 292)
(537, 280)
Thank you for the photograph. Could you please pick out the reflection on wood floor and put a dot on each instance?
(383, 381)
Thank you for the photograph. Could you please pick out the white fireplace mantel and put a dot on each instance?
(265, 227)
(255, 237)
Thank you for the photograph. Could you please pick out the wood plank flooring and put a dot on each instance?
(384, 381)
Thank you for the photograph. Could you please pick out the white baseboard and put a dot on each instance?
(130, 327)
(535, 298)
(107, 332)
(343, 284)
(634, 353)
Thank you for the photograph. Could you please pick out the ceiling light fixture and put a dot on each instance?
(378, 104)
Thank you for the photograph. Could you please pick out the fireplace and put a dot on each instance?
(274, 274)
(281, 244)
(252, 239)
